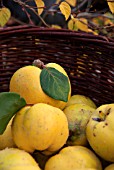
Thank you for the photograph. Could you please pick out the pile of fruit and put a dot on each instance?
(43, 126)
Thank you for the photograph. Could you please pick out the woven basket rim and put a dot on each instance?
(54, 31)
(86, 57)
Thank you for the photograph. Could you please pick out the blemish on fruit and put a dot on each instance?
(94, 134)
(108, 111)
(97, 119)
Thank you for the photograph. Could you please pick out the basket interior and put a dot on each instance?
(88, 59)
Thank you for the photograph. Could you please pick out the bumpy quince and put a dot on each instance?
(81, 99)
(78, 116)
(100, 131)
(73, 158)
(16, 159)
(26, 82)
(40, 127)
(6, 139)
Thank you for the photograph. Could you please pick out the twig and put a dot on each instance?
(89, 5)
(29, 7)
(78, 7)
(92, 15)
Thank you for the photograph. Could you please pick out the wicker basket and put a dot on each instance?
(88, 59)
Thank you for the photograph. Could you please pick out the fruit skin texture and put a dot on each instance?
(73, 157)
(77, 98)
(40, 127)
(6, 139)
(78, 116)
(16, 159)
(110, 167)
(26, 82)
(100, 132)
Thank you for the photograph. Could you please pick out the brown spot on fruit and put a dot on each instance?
(94, 134)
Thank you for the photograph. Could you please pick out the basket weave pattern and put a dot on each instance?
(88, 59)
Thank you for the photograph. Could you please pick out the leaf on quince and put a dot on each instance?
(111, 5)
(40, 5)
(65, 9)
(5, 15)
(55, 84)
(10, 103)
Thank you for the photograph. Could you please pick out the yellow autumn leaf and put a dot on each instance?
(72, 24)
(58, 1)
(40, 5)
(100, 21)
(108, 22)
(5, 15)
(65, 9)
(93, 32)
(56, 26)
(72, 2)
(111, 5)
(82, 24)
(78, 24)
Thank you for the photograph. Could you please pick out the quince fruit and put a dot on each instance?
(100, 132)
(78, 116)
(26, 82)
(16, 159)
(110, 167)
(73, 158)
(40, 127)
(77, 98)
(6, 139)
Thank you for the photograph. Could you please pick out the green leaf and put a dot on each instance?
(10, 103)
(55, 84)
(5, 15)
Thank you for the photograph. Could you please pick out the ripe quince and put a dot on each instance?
(16, 159)
(26, 82)
(78, 116)
(100, 131)
(110, 167)
(73, 158)
(6, 139)
(40, 127)
(81, 99)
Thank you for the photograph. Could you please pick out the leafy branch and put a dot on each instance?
(80, 15)
(32, 8)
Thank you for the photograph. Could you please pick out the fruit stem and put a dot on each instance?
(38, 63)
(102, 115)
(97, 119)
